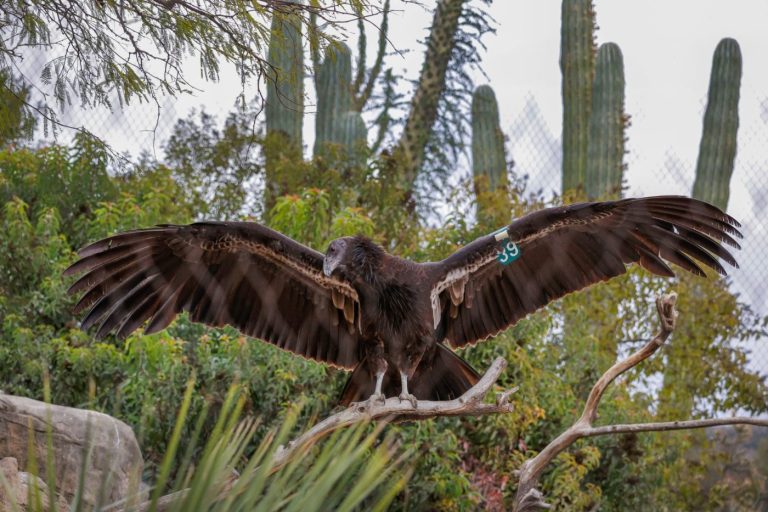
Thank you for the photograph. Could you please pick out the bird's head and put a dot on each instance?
(353, 257)
(336, 256)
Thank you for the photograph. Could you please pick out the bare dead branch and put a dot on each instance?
(668, 315)
(673, 425)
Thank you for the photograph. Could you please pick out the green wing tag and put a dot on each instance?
(508, 252)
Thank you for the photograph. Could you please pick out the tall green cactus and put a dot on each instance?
(717, 150)
(605, 148)
(285, 90)
(577, 64)
(488, 158)
(351, 133)
(334, 94)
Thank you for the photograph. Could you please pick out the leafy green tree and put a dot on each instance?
(216, 166)
(70, 180)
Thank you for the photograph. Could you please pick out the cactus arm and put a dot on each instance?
(489, 163)
(285, 91)
(717, 150)
(607, 121)
(361, 47)
(577, 62)
(423, 112)
(314, 44)
(363, 96)
(334, 96)
(351, 134)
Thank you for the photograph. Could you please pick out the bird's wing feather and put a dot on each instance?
(237, 273)
(568, 248)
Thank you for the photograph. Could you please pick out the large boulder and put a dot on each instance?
(106, 446)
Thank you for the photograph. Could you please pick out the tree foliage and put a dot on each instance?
(108, 53)
(16, 122)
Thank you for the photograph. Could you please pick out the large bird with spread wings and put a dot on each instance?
(391, 321)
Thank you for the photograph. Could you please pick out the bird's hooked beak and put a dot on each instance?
(328, 267)
(333, 256)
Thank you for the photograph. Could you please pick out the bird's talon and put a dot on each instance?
(378, 398)
(410, 398)
(374, 399)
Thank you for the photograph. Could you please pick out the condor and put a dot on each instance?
(391, 321)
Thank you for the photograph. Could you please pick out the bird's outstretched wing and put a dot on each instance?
(238, 273)
(498, 279)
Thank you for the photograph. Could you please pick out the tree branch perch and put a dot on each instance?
(393, 409)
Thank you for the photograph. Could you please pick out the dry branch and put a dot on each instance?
(470, 403)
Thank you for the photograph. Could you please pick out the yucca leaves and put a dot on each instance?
(355, 467)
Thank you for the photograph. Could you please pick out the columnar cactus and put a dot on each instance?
(351, 134)
(285, 90)
(334, 94)
(717, 150)
(488, 159)
(577, 64)
(605, 148)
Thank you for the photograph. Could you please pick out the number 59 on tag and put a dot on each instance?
(508, 252)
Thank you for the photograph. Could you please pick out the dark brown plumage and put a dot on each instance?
(388, 319)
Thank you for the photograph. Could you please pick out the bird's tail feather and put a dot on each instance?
(444, 376)
(360, 384)
(448, 377)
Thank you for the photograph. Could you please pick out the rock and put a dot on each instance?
(114, 462)
(16, 493)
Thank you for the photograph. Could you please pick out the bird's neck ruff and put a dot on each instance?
(367, 257)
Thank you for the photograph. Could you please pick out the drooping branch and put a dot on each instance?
(528, 497)
(127, 51)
